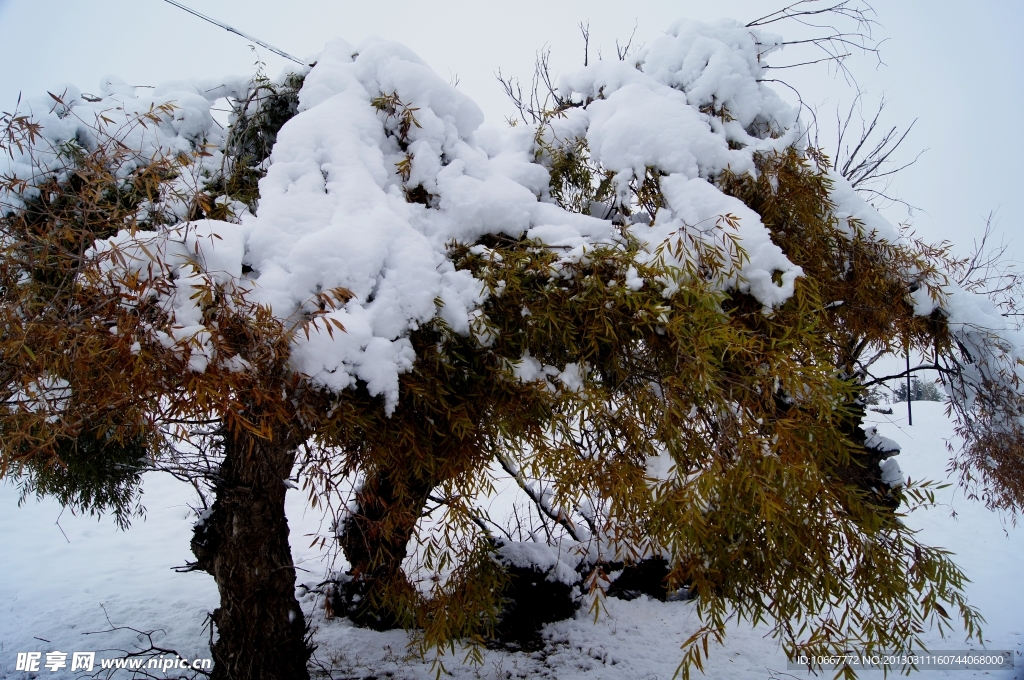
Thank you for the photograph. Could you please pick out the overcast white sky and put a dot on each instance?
(953, 65)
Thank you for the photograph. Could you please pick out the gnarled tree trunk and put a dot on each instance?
(375, 540)
(243, 544)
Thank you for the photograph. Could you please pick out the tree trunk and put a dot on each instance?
(375, 540)
(243, 544)
(863, 470)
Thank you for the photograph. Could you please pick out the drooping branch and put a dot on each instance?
(560, 517)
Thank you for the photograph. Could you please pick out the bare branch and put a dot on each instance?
(988, 271)
(585, 30)
(866, 157)
(558, 517)
(624, 51)
(828, 36)
(904, 374)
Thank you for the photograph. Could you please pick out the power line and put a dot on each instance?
(229, 29)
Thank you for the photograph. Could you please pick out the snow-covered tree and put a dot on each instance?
(919, 391)
(652, 306)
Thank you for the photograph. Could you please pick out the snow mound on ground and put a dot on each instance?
(558, 565)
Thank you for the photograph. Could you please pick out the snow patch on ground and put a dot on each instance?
(56, 589)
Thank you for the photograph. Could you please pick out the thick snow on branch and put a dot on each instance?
(689, 107)
(186, 259)
(991, 348)
(376, 127)
(161, 122)
(333, 209)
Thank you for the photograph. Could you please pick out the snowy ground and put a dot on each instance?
(71, 584)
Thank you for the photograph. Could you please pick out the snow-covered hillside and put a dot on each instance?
(77, 584)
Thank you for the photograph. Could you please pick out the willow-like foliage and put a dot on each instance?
(771, 509)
